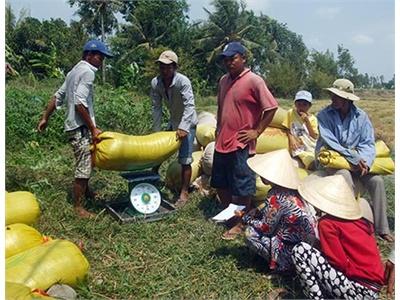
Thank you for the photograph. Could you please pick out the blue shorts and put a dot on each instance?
(230, 171)
(186, 149)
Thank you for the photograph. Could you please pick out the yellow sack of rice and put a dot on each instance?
(307, 158)
(20, 237)
(173, 179)
(205, 134)
(56, 261)
(208, 158)
(121, 152)
(16, 291)
(272, 139)
(332, 159)
(381, 149)
(278, 119)
(21, 207)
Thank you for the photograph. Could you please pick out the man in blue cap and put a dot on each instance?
(245, 108)
(80, 126)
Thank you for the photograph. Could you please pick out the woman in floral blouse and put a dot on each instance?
(284, 219)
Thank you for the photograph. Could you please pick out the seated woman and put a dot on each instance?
(284, 219)
(349, 265)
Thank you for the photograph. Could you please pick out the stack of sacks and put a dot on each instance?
(33, 261)
(382, 165)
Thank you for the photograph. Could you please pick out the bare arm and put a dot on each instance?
(246, 136)
(51, 107)
(83, 112)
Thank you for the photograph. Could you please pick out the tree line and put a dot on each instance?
(50, 48)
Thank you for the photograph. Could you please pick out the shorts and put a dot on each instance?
(80, 140)
(186, 149)
(230, 171)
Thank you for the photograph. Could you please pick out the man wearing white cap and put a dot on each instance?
(345, 128)
(80, 125)
(176, 91)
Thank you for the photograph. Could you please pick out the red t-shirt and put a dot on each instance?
(241, 102)
(351, 248)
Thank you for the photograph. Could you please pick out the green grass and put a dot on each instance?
(182, 256)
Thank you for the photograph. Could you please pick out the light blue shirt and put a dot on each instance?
(179, 100)
(77, 89)
(353, 137)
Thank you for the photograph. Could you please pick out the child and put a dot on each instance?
(284, 219)
(302, 129)
(348, 265)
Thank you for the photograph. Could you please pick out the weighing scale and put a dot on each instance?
(145, 201)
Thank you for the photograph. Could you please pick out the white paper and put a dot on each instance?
(227, 213)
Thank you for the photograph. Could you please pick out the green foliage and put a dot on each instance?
(283, 79)
(317, 82)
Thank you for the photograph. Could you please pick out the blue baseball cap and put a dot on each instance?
(96, 45)
(231, 49)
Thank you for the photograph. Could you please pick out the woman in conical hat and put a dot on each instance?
(349, 264)
(284, 219)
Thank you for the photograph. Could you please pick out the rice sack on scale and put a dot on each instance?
(121, 152)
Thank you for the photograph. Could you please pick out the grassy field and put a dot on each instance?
(182, 256)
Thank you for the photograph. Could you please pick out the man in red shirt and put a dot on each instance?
(245, 108)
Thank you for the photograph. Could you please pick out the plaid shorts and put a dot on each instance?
(80, 140)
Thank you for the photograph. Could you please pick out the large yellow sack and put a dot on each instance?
(278, 118)
(205, 134)
(20, 237)
(21, 207)
(206, 117)
(272, 139)
(381, 149)
(16, 291)
(307, 158)
(332, 159)
(173, 179)
(56, 261)
(121, 152)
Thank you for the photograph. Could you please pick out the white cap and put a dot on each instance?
(303, 95)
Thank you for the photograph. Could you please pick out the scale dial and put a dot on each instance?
(145, 198)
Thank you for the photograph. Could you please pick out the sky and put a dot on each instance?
(365, 27)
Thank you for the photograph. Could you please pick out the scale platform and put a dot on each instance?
(144, 201)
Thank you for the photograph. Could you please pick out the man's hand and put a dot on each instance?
(361, 167)
(246, 136)
(95, 134)
(389, 277)
(42, 125)
(180, 134)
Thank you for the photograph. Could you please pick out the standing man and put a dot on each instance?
(80, 125)
(245, 108)
(176, 90)
(347, 129)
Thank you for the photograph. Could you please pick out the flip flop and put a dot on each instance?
(231, 235)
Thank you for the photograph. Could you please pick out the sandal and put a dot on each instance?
(232, 233)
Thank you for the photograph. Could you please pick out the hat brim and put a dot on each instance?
(308, 100)
(343, 94)
(165, 61)
(325, 197)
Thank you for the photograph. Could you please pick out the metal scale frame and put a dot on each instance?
(144, 201)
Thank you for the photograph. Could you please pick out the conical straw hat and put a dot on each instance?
(366, 210)
(276, 167)
(331, 194)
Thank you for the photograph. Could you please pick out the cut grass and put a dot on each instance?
(182, 256)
